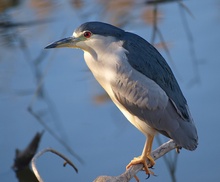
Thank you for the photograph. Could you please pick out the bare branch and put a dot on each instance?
(33, 162)
(133, 170)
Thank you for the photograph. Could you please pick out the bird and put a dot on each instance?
(140, 83)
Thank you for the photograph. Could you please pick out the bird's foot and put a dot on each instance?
(178, 149)
(143, 160)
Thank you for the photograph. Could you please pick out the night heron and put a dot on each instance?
(139, 82)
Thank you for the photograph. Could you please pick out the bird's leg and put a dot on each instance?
(146, 155)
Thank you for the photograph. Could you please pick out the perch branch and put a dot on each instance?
(33, 162)
(133, 170)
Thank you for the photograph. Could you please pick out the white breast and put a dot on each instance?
(103, 61)
(104, 69)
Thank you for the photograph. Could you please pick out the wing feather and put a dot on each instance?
(151, 64)
(142, 97)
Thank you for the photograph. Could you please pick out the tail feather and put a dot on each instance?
(185, 136)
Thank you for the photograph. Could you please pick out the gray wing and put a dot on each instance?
(145, 99)
(143, 57)
(141, 96)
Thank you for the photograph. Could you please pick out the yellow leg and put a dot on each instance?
(146, 154)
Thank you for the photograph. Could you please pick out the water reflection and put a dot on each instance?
(30, 77)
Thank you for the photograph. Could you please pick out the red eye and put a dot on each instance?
(87, 34)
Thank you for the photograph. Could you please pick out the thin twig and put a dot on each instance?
(171, 162)
(156, 31)
(41, 92)
(192, 51)
(33, 162)
(59, 139)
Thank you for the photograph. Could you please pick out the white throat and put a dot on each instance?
(104, 66)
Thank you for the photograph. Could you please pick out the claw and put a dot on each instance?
(152, 162)
(178, 149)
(148, 176)
(142, 160)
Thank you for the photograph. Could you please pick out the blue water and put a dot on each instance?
(99, 133)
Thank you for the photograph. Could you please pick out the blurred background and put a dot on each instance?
(53, 90)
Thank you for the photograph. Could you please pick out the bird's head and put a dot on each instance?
(90, 36)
